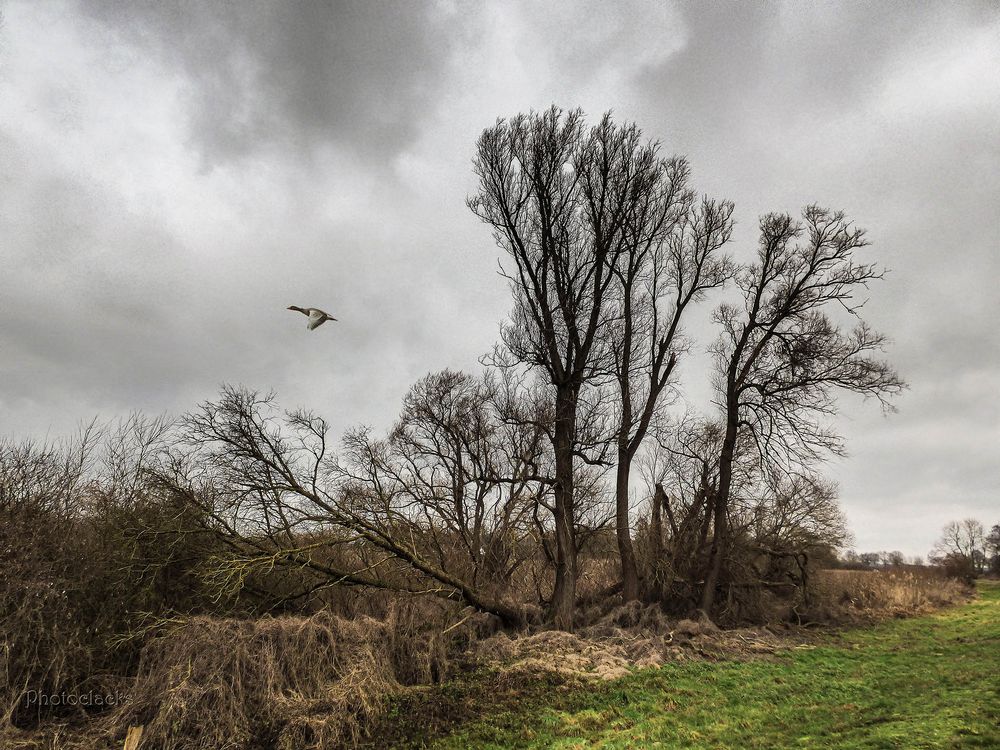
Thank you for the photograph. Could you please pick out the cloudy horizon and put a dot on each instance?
(174, 175)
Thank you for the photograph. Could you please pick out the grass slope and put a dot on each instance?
(927, 682)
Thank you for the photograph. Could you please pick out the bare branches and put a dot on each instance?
(781, 358)
(962, 548)
(440, 506)
(568, 205)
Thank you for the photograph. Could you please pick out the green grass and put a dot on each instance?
(927, 682)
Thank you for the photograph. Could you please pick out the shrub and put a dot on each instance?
(83, 564)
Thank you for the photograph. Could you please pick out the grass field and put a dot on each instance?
(927, 682)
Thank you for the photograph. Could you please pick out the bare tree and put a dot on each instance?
(778, 522)
(455, 475)
(671, 258)
(871, 559)
(962, 548)
(423, 511)
(792, 521)
(895, 559)
(799, 513)
(781, 357)
(560, 200)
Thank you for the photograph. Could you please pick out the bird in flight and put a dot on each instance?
(316, 316)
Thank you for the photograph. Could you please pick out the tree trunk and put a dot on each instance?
(656, 524)
(630, 573)
(656, 562)
(719, 530)
(564, 594)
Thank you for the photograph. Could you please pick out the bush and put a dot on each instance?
(83, 566)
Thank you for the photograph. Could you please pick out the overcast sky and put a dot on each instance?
(174, 174)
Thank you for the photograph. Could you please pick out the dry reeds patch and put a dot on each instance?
(285, 682)
(636, 635)
(849, 594)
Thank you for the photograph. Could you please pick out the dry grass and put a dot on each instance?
(629, 637)
(289, 682)
(839, 595)
(633, 636)
(292, 683)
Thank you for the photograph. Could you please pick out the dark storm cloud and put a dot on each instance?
(296, 75)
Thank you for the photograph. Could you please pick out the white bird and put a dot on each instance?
(316, 316)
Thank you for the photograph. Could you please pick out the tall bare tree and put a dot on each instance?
(560, 199)
(672, 258)
(781, 357)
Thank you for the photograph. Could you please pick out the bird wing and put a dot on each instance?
(316, 318)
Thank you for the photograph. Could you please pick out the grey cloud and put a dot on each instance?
(296, 75)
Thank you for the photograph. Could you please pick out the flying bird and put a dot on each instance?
(316, 316)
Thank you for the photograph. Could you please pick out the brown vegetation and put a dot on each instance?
(325, 681)
(286, 682)
(850, 595)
